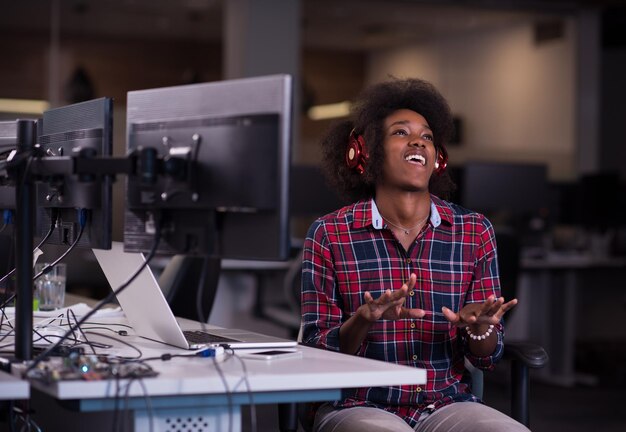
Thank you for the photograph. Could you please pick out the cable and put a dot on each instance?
(148, 403)
(47, 268)
(53, 223)
(24, 415)
(202, 352)
(139, 352)
(229, 396)
(71, 314)
(82, 218)
(253, 421)
(116, 402)
(106, 300)
(119, 415)
(126, 411)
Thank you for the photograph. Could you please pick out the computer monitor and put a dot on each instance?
(213, 161)
(517, 189)
(599, 201)
(84, 128)
(8, 143)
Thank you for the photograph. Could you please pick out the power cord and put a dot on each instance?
(253, 420)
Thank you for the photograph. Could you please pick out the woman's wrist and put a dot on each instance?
(363, 316)
(480, 332)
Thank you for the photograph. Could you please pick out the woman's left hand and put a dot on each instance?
(475, 314)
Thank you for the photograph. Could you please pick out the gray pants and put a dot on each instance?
(456, 417)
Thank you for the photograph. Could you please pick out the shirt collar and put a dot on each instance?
(377, 219)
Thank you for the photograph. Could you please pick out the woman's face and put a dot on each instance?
(410, 153)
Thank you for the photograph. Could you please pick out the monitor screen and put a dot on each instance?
(213, 162)
(518, 189)
(84, 128)
(599, 201)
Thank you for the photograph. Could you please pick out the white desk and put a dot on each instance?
(550, 288)
(13, 388)
(191, 388)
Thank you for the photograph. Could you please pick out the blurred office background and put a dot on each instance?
(538, 95)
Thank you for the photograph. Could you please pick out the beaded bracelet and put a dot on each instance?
(479, 337)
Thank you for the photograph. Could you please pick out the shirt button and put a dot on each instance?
(412, 325)
(414, 356)
(418, 390)
(412, 293)
(408, 261)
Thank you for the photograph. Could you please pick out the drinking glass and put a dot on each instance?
(50, 287)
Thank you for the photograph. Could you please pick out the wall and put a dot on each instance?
(327, 77)
(516, 98)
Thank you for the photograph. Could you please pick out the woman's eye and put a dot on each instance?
(427, 137)
(399, 132)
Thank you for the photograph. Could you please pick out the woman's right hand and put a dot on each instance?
(390, 305)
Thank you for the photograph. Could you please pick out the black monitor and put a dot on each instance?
(214, 167)
(8, 143)
(517, 189)
(600, 200)
(84, 128)
(310, 194)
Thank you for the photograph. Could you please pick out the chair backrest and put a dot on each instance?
(180, 282)
(292, 283)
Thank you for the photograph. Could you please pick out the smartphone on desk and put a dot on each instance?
(271, 354)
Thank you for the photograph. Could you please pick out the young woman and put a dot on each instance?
(402, 275)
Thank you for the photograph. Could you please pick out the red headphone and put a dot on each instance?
(356, 153)
(442, 160)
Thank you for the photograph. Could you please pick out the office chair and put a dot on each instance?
(180, 281)
(523, 356)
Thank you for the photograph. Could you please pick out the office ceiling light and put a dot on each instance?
(329, 111)
(23, 106)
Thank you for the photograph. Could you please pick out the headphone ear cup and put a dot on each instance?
(356, 154)
(442, 161)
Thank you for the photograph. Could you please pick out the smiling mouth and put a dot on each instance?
(415, 158)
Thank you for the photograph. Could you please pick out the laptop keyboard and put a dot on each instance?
(200, 337)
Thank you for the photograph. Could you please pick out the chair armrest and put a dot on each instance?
(523, 356)
(529, 354)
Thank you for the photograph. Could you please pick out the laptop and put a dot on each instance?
(151, 317)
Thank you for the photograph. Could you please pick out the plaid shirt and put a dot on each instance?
(351, 251)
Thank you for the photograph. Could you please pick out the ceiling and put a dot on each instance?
(329, 24)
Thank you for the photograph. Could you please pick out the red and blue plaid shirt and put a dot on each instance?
(351, 251)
